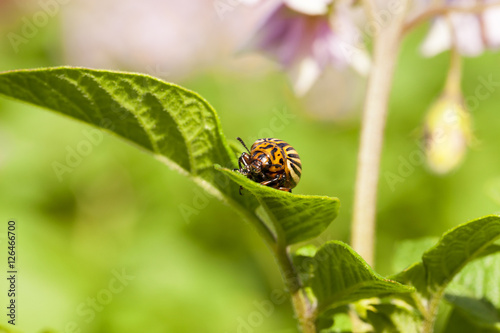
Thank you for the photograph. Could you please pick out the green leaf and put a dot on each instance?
(410, 251)
(458, 247)
(391, 318)
(468, 243)
(303, 260)
(174, 124)
(479, 311)
(337, 322)
(459, 322)
(341, 276)
(295, 218)
(479, 280)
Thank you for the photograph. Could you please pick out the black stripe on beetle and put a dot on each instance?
(298, 164)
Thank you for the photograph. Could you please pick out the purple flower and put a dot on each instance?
(470, 33)
(303, 38)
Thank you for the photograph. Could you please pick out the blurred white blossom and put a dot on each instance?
(304, 37)
(472, 33)
(165, 38)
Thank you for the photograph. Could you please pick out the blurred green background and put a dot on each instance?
(194, 265)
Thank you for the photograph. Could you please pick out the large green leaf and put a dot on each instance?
(174, 124)
(458, 247)
(294, 217)
(178, 127)
(341, 276)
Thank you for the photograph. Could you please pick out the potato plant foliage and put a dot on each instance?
(181, 129)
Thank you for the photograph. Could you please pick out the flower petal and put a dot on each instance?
(438, 39)
(304, 75)
(309, 7)
(467, 30)
(491, 19)
(306, 44)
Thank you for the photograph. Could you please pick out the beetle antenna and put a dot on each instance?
(244, 145)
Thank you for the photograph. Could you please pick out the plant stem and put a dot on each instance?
(454, 77)
(446, 9)
(430, 316)
(385, 52)
(303, 309)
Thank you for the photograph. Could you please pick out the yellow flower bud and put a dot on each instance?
(447, 133)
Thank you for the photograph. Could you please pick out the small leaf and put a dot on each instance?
(337, 322)
(341, 276)
(391, 318)
(295, 218)
(458, 247)
(303, 260)
(414, 276)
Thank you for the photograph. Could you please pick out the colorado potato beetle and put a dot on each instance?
(271, 162)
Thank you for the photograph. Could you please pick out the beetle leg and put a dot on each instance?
(243, 163)
(244, 159)
(273, 182)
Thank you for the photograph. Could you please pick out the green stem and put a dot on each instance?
(432, 310)
(304, 311)
(305, 314)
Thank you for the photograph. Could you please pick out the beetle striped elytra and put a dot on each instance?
(271, 162)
